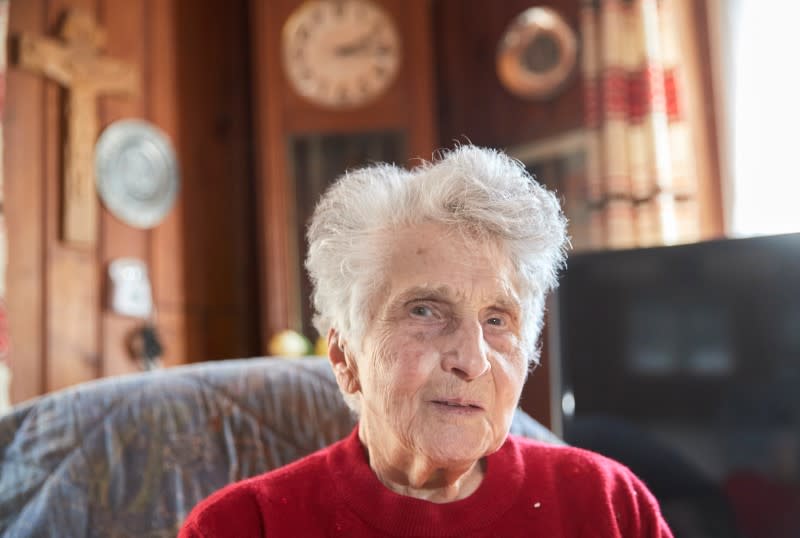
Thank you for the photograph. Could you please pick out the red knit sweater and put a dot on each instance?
(529, 489)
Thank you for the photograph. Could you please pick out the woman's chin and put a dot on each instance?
(451, 448)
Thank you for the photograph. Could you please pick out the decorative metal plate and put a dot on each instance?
(137, 172)
(537, 54)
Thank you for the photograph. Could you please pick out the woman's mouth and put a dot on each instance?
(457, 405)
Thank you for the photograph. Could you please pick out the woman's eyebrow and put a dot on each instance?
(420, 293)
(508, 304)
(445, 294)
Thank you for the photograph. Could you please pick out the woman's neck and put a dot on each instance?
(415, 475)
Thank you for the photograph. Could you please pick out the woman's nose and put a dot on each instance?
(468, 353)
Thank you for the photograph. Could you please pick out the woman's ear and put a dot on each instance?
(343, 364)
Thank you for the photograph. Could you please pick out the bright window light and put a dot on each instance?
(762, 93)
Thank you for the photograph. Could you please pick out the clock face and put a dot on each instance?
(340, 53)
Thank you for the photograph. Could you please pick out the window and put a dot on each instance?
(759, 80)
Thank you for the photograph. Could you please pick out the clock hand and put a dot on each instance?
(357, 46)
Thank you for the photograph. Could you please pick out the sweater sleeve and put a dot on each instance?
(615, 503)
(231, 512)
(190, 530)
(636, 511)
(651, 522)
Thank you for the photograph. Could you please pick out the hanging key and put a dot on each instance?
(146, 346)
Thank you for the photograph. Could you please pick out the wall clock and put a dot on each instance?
(537, 54)
(340, 54)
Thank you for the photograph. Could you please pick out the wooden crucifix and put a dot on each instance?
(78, 66)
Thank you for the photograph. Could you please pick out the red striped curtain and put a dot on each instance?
(640, 179)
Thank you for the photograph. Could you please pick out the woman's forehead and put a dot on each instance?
(429, 242)
(430, 258)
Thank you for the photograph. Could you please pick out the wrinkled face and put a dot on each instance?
(441, 365)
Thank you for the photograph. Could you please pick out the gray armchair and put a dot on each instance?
(131, 456)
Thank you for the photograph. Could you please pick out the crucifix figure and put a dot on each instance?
(78, 66)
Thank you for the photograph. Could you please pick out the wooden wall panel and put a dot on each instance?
(166, 269)
(71, 295)
(25, 214)
(195, 86)
(423, 129)
(72, 318)
(538, 392)
(278, 252)
(218, 202)
(126, 42)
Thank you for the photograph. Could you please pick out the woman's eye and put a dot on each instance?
(422, 311)
(496, 321)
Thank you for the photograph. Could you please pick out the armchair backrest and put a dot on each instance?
(131, 456)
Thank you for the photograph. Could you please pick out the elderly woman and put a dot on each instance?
(430, 286)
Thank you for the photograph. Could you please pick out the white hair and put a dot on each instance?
(478, 191)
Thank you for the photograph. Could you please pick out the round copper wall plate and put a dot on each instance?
(537, 54)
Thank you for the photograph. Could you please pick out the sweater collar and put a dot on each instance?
(399, 515)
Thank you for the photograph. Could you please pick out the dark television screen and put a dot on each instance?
(684, 363)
